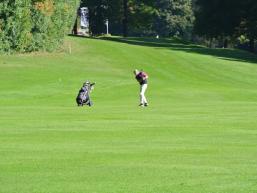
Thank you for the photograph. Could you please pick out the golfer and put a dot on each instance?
(142, 77)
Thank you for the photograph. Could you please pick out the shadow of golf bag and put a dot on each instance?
(83, 97)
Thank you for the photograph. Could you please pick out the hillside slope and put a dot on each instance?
(199, 133)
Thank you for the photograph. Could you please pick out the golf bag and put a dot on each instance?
(83, 97)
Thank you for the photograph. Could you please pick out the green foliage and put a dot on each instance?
(97, 15)
(141, 17)
(174, 17)
(242, 39)
(219, 18)
(33, 25)
(162, 17)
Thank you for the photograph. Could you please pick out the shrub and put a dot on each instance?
(33, 25)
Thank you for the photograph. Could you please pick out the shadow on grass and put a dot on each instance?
(180, 45)
(153, 42)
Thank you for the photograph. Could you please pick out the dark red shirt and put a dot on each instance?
(141, 78)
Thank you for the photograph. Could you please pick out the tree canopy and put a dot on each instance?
(32, 25)
(141, 17)
(219, 18)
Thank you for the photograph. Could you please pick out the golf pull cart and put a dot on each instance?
(83, 97)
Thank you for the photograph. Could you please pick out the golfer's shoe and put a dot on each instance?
(141, 105)
(146, 104)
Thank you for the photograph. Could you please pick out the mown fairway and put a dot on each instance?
(199, 134)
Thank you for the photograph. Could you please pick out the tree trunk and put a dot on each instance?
(251, 45)
(75, 27)
(225, 43)
(210, 43)
(125, 18)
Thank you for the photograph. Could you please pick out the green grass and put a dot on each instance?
(199, 134)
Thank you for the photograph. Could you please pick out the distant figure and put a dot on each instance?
(157, 36)
(142, 77)
(83, 97)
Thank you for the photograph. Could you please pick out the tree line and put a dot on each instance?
(141, 17)
(32, 25)
(227, 20)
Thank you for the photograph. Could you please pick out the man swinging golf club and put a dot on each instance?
(142, 77)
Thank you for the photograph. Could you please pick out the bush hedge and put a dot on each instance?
(34, 25)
